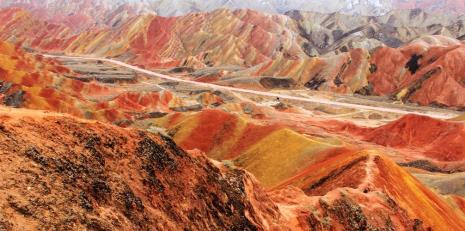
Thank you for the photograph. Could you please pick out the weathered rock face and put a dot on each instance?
(145, 39)
(101, 177)
(328, 33)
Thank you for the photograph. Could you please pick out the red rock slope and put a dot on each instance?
(240, 37)
(351, 186)
(424, 142)
(102, 177)
(377, 192)
(34, 82)
(266, 50)
(427, 71)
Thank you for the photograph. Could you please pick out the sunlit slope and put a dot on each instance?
(114, 178)
(375, 185)
(420, 141)
(321, 166)
(240, 37)
(271, 152)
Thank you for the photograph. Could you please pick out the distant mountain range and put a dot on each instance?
(328, 52)
(181, 7)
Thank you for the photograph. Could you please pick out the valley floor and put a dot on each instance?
(362, 110)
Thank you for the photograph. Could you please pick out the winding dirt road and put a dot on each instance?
(262, 93)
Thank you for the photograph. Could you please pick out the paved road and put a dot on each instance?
(262, 93)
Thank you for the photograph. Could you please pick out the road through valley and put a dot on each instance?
(310, 99)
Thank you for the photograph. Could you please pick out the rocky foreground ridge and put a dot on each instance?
(102, 177)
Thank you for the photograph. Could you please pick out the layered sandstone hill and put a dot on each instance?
(316, 33)
(427, 71)
(255, 50)
(243, 38)
(317, 174)
(430, 144)
(307, 168)
(322, 165)
(35, 82)
(328, 33)
(104, 177)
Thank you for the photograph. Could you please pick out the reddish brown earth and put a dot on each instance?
(428, 72)
(35, 82)
(313, 173)
(426, 143)
(104, 177)
(365, 180)
(155, 41)
(271, 50)
(440, 140)
(319, 177)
